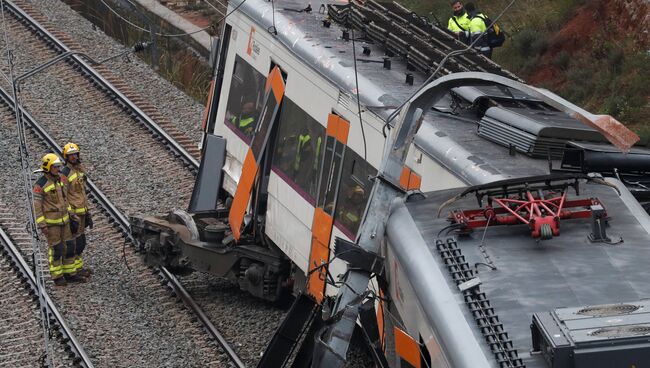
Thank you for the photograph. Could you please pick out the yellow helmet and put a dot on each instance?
(70, 149)
(50, 160)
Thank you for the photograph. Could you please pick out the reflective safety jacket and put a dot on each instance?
(243, 123)
(476, 27)
(50, 205)
(462, 26)
(303, 140)
(76, 178)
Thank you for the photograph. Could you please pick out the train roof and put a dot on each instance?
(565, 276)
(457, 131)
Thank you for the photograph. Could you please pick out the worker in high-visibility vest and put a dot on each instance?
(306, 160)
(246, 120)
(351, 208)
(55, 220)
(75, 174)
(459, 22)
(476, 27)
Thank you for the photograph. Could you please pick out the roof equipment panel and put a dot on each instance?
(537, 133)
(609, 335)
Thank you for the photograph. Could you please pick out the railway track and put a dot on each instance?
(119, 92)
(112, 213)
(178, 165)
(112, 225)
(21, 330)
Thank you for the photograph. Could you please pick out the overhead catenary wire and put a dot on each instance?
(168, 34)
(26, 181)
(356, 82)
(442, 63)
(272, 28)
(214, 7)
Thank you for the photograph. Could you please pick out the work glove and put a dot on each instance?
(74, 226)
(89, 220)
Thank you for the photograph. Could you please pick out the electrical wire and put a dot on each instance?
(442, 62)
(272, 28)
(399, 323)
(169, 34)
(214, 7)
(356, 81)
(31, 221)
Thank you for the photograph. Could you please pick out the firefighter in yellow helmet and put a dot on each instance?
(54, 219)
(75, 174)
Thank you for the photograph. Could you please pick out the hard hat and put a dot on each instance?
(50, 160)
(70, 149)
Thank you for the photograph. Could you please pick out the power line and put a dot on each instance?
(26, 182)
(356, 81)
(168, 34)
(214, 7)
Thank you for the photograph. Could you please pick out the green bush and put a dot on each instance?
(615, 59)
(562, 60)
(524, 42)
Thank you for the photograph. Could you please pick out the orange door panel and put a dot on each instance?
(273, 98)
(323, 221)
(407, 349)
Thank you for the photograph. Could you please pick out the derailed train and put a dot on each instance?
(413, 214)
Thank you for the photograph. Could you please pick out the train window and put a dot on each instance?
(245, 98)
(298, 148)
(354, 192)
(331, 175)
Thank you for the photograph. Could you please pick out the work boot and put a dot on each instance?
(85, 272)
(74, 278)
(60, 281)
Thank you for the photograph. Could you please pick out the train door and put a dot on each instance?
(328, 189)
(274, 92)
(210, 113)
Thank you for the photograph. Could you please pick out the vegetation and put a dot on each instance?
(584, 50)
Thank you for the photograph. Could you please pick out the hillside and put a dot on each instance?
(595, 53)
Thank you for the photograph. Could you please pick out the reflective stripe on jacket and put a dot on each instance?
(76, 194)
(476, 27)
(50, 206)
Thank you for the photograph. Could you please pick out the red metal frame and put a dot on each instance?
(530, 211)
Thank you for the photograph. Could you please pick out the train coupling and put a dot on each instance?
(185, 242)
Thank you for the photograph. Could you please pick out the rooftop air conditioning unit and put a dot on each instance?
(600, 336)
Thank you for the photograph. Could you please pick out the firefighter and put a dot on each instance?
(54, 219)
(459, 22)
(75, 174)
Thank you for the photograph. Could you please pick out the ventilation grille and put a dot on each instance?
(622, 331)
(608, 310)
(346, 101)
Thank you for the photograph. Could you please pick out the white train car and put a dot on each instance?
(299, 107)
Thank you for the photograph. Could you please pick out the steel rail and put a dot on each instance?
(212, 330)
(108, 86)
(121, 221)
(80, 356)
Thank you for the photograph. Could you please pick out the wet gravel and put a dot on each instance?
(22, 343)
(140, 178)
(122, 316)
(183, 111)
